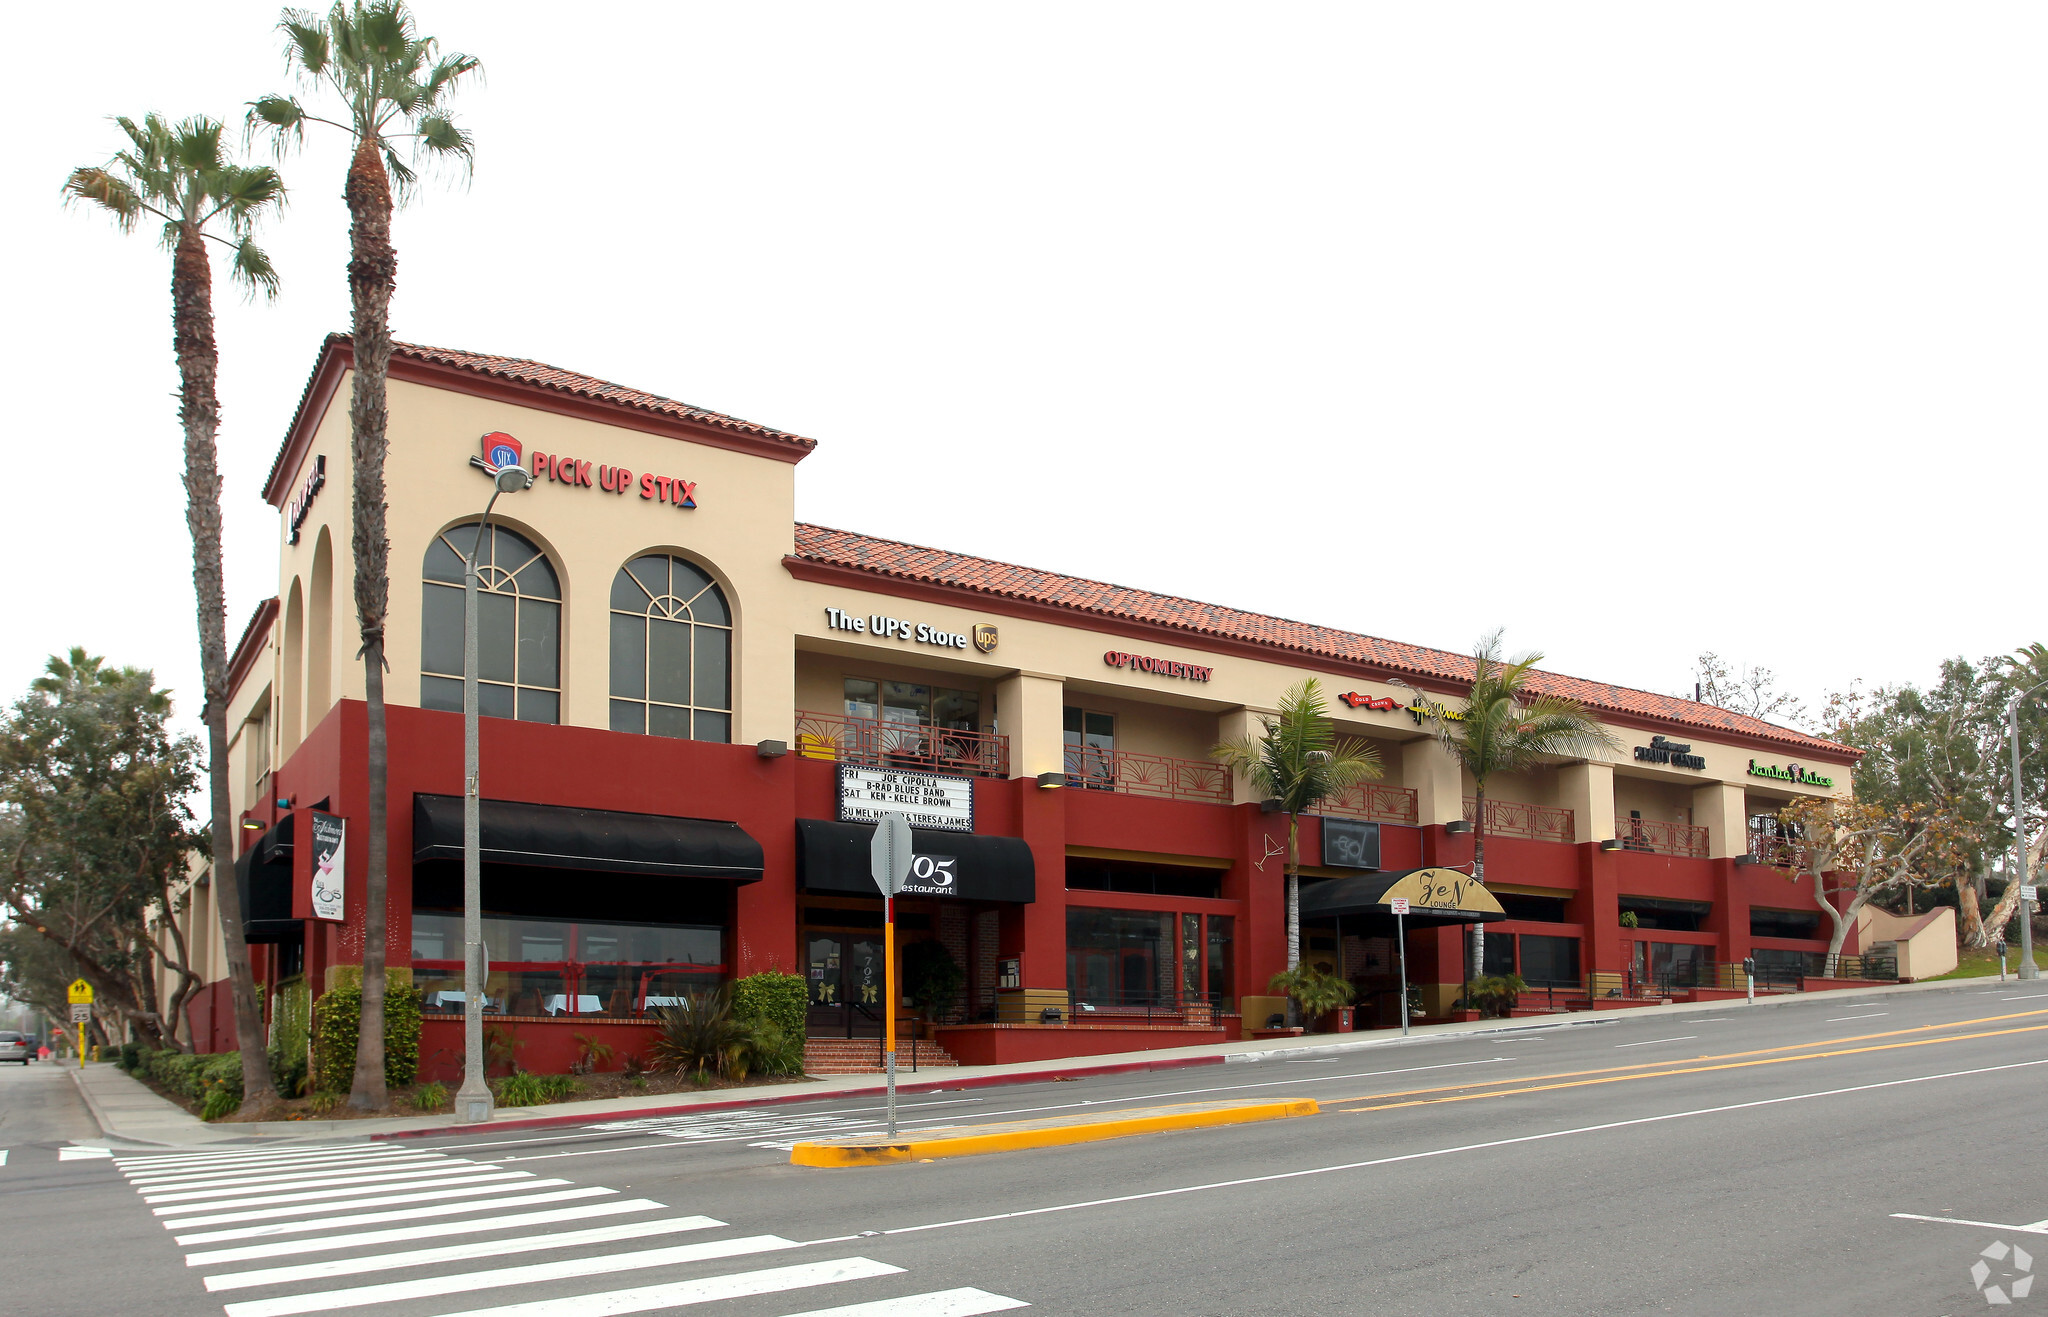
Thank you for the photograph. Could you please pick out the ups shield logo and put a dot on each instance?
(984, 637)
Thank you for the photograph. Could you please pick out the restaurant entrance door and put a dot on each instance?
(845, 977)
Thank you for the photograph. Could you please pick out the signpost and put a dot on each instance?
(889, 862)
(1400, 905)
(80, 994)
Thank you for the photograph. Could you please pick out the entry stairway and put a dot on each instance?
(863, 1056)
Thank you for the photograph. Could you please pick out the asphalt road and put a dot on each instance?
(1821, 1156)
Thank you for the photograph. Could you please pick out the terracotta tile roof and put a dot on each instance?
(912, 562)
(530, 374)
(518, 370)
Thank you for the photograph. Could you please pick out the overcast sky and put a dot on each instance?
(1635, 329)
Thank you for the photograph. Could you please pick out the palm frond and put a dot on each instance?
(439, 134)
(283, 115)
(305, 47)
(100, 188)
(252, 269)
(1298, 759)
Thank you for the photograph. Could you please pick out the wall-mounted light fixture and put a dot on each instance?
(1271, 807)
(1051, 780)
(284, 802)
(1611, 844)
(1747, 858)
(251, 825)
(1458, 827)
(771, 749)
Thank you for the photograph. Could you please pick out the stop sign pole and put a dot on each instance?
(889, 862)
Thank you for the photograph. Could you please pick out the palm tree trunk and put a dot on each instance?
(199, 413)
(372, 276)
(1476, 939)
(1293, 908)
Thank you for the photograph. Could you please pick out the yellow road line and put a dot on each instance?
(1688, 1070)
(1045, 1132)
(1686, 1060)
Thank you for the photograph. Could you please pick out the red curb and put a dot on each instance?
(934, 1086)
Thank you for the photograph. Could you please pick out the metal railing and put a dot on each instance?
(1872, 966)
(1657, 838)
(1777, 845)
(879, 743)
(1144, 1007)
(1374, 803)
(1511, 818)
(1093, 769)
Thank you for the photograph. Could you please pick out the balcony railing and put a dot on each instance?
(1656, 838)
(1374, 803)
(881, 744)
(1094, 769)
(1776, 844)
(1511, 818)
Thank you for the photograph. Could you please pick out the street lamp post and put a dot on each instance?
(473, 1100)
(2028, 970)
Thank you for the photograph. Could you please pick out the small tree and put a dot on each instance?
(1299, 762)
(1507, 728)
(1856, 852)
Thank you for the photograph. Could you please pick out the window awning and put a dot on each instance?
(834, 857)
(598, 840)
(1435, 896)
(266, 891)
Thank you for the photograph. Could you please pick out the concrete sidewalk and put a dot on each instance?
(129, 1111)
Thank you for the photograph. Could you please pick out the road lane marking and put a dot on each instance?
(1689, 1070)
(314, 1209)
(2038, 1228)
(652, 1298)
(454, 1166)
(421, 1257)
(271, 1229)
(431, 1286)
(967, 1302)
(81, 1154)
(342, 1191)
(1872, 1016)
(154, 1184)
(1278, 1176)
(2032, 996)
(363, 1238)
(1682, 1038)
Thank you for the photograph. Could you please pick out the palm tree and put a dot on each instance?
(1505, 728)
(178, 175)
(392, 84)
(1299, 762)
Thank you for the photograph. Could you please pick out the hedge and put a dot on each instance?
(780, 1001)
(191, 1075)
(338, 1022)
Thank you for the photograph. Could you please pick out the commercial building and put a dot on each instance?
(692, 702)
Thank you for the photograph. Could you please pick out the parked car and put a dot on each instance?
(16, 1047)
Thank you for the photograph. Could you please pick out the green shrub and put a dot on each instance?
(431, 1096)
(932, 979)
(699, 1035)
(129, 1052)
(521, 1089)
(337, 1021)
(774, 1007)
(1494, 995)
(1315, 990)
(219, 1102)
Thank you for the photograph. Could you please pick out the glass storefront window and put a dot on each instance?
(1120, 957)
(1219, 960)
(553, 967)
(1548, 961)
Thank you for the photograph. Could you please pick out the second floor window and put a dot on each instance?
(671, 651)
(1091, 747)
(519, 627)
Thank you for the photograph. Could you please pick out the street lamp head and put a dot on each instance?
(512, 479)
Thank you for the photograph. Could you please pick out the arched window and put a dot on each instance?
(518, 634)
(671, 651)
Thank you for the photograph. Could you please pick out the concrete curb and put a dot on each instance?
(1014, 1136)
(782, 1099)
(1368, 1044)
(92, 1106)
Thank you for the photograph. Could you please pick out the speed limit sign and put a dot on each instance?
(1400, 905)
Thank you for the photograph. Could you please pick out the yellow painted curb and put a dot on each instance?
(1052, 1132)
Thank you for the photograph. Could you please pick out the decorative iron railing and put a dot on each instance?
(1093, 769)
(882, 744)
(1776, 844)
(1374, 803)
(1511, 818)
(1657, 838)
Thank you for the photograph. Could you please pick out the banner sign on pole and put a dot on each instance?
(330, 864)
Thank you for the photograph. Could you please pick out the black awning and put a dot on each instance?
(266, 891)
(599, 840)
(833, 857)
(1456, 900)
(275, 845)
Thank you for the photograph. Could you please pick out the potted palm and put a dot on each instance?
(1317, 994)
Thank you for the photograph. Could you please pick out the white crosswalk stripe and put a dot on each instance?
(297, 1213)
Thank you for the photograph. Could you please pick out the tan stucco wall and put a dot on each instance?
(1925, 954)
